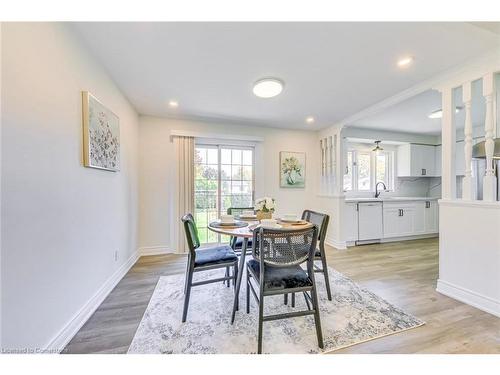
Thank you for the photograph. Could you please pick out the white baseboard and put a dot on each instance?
(409, 238)
(154, 250)
(399, 239)
(469, 297)
(341, 245)
(81, 317)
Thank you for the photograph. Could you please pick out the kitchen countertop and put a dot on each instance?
(388, 199)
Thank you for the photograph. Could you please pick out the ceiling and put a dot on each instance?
(412, 115)
(331, 70)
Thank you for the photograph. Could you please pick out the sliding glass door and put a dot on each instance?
(224, 177)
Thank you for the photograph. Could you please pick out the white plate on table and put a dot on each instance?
(296, 221)
(275, 226)
(243, 217)
(228, 223)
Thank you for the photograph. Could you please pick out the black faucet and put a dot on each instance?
(377, 193)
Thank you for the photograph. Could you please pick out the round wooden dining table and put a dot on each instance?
(246, 233)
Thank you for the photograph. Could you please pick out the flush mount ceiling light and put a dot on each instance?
(310, 120)
(405, 61)
(173, 103)
(267, 87)
(377, 147)
(439, 113)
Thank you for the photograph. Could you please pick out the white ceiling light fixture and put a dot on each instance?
(310, 119)
(268, 87)
(405, 61)
(173, 103)
(439, 113)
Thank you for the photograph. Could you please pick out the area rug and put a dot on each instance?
(354, 315)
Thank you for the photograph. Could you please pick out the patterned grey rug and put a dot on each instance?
(355, 315)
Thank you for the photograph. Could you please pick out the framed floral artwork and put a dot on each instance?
(101, 135)
(292, 169)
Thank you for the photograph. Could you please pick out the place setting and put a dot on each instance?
(228, 222)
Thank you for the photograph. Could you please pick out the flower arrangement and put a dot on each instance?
(265, 207)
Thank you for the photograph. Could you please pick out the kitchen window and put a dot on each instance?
(224, 177)
(364, 168)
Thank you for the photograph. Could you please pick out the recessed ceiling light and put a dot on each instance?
(173, 103)
(405, 61)
(267, 87)
(439, 113)
(310, 119)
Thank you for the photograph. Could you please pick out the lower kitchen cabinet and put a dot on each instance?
(386, 220)
(410, 218)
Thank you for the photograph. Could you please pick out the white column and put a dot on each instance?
(468, 181)
(448, 135)
(322, 186)
(339, 170)
(329, 165)
(489, 180)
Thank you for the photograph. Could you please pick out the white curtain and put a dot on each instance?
(184, 188)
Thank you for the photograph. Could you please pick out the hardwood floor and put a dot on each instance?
(404, 273)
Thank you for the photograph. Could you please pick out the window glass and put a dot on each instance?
(364, 175)
(348, 172)
(233, 168)
(381, 164)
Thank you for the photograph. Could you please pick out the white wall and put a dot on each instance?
(61, 222)
(469, 255)
(1, 184)
(156, 180)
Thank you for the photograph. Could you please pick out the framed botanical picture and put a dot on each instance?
(101, 135)
(292, 169)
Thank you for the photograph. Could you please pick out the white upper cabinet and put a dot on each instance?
(459, 159)
(416, 160)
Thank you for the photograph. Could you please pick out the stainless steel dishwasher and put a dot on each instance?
(370, 222)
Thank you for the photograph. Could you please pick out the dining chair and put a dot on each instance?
(275, 269)
(205, 259)
(321, 220)
(237, 242)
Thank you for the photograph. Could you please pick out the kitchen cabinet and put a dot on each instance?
(369, 221)
(351, 222)
(414, 160)
(399, 219)
(410, 218)
(459, 159)
(431, 217)
(391, 218)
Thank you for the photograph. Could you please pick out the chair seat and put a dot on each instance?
(238, 245)
(215, 255)
(280, 277)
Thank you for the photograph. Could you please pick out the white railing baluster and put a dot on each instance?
(468, 181)
(489, 185)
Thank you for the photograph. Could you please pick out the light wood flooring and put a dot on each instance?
(404, 273)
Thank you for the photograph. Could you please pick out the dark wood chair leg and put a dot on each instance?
(261, 321)
(235, 273)
(228, 273)
(327, 278)
(188, 264)
(189, 281)
(285, 298)
(248, 292)
(293, 299)
(317, 321)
